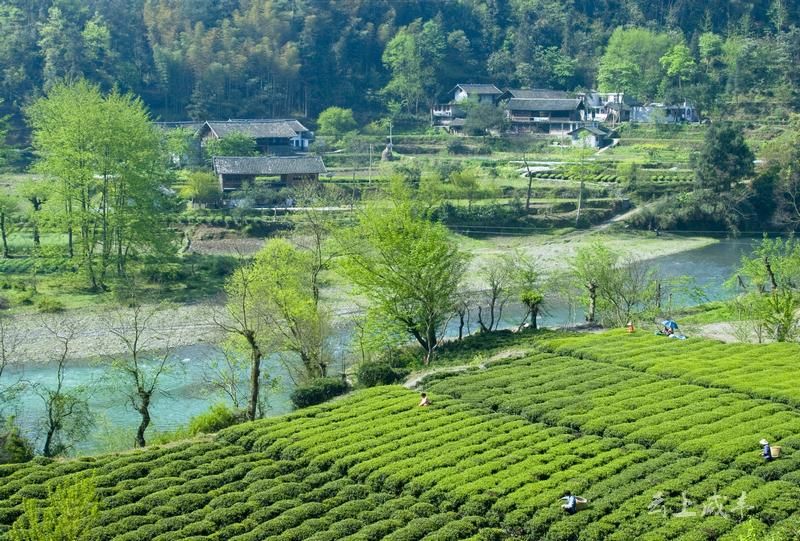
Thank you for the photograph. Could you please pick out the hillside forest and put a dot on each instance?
(205, 59)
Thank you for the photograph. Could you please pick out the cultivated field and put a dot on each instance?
(660, 435)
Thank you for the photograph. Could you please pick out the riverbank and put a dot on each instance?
(189, 324)
(173, 326)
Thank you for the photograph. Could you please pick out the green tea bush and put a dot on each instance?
(371, 374)
(317, 391)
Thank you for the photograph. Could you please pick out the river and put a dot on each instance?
(186, 393)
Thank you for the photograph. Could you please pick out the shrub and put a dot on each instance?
(377, 373)
(49, 305)
(215, 419)
(317, 391)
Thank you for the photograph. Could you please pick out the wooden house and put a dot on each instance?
(272, 136)
(290, 170)
(556, 116)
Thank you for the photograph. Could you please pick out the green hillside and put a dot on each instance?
(637, 424)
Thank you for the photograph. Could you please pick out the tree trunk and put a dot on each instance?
(580, 203)
(255, 375)
(460, 326)
(48, 441)
(534, 317)
(592, 288)
(530, 185)
(3, 234)
(144, 411)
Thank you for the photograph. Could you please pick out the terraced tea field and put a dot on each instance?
(660, 435)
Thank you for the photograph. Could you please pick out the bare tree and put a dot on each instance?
(496, 277)
(225, 375)
(141, 367)
(240, 321)
(10, 342)
(67, 417)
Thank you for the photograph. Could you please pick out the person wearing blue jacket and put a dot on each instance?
(572, 503)
(767, 451)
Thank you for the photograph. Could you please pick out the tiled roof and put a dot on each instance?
(538, 93)
(591, 129)
(479, 89)
(268, 165)
(257, 129)
(517, 104)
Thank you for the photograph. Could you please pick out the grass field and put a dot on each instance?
(660, 435)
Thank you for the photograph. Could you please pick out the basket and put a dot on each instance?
(775, 450)
(581, 503)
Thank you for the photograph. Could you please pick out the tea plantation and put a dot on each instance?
(660, 435)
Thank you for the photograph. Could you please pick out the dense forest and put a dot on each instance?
(263, 58)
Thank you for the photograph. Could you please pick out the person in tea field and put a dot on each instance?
(767, 450)
(571, 505)
(424, 401)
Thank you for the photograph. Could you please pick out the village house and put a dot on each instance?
(272, 136)
(556, 116)
(450, 115)
(590, 137)
(233, 171)
(609, 107)
(660, 113)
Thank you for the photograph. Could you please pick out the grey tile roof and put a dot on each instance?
(538, 93)
(268, 165)
(591, 129)
(257, 129)
(479, 89)
(517, 104)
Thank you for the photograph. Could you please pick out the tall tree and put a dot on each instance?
(408, 268)
(106, 161)
(631, 62)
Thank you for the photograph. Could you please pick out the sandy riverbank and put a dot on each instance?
(184, 325)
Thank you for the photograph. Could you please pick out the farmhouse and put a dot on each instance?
(589, 137)
(664, 113)
(556, 116)
(611, 107)
(272, 136)
(233, 171)
(450, 115)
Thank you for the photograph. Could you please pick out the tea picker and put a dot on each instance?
(573, 503)
(768, 452)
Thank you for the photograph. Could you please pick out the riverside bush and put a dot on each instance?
(371, 374)
(317, 391)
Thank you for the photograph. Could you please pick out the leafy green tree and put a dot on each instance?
(483, 117)
(724, 160)
(288, 303)
(243, 326)
(336, 121)
(234, 144)
(68, 513)
(105, 159)
(408, 268)
(617, 289)
(679, 64)
(631, 62)
(772, 296)
(201, 187)
(414, 56)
